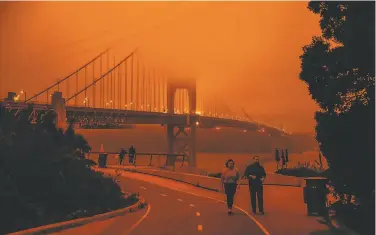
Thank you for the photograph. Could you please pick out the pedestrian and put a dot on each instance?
(255, 173)
(283, 159)
(121, 156)
(287, 155)
(132, 153)
(277, 158)
(229, 181)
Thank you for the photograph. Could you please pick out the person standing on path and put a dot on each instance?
(121, 156)
(255, 173)
(132, 154)
(229, 181)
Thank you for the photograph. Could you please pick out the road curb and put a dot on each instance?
(51, 228)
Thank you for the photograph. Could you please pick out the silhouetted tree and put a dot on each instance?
(42, 180)
(339, 68)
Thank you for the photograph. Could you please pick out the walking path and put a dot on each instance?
(285, 210)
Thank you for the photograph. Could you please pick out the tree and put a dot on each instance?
(339, 69)
(42, 180)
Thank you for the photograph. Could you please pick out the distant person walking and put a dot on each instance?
(256, 175)
(121, 156)
(132, 153)
(283, 159)
(287, 156)
(229, 181)
(277, 158)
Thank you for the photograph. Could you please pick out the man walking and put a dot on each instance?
(132, 154)
(121, 156)
(256, 175)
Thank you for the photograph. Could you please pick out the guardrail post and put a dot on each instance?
(167, 155)
(134, 159)
(151, 157)
(182, 164)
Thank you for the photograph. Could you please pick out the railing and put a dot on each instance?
(144, 154)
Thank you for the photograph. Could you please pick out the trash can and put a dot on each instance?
(315, 193)
(102, 160)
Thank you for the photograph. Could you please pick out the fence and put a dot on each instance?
(140, 159)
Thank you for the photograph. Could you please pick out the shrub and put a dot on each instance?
(44, 177)
(305, 169)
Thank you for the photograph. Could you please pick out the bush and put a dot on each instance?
(305, 169)
(355, 217)
(44, 177)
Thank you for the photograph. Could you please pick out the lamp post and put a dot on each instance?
(86, 102)
(23, 92)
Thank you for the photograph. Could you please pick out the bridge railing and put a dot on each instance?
(147, 159)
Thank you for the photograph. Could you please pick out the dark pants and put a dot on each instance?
(258, 190)
(230, 190)
(121, 160)
(131, 157)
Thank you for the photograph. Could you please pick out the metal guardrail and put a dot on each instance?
(145, 154)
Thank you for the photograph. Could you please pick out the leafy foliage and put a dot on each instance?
(339, 69)
(305, 169)
(44, 177)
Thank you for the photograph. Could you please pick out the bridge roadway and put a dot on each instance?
(170, 212)
(144, 117)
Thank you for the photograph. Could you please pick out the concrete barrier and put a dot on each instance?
(51, 228)
(213, 183)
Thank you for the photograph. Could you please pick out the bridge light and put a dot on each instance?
(244, 130)
(217, 128)
(198, 112)
(197, 123)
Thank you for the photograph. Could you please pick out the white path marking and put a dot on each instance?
(263, 229)
(199, 227)
(142, 187)
(164, 195)
(198, 214)
(191, 205)
(180, 200)
(142, 218)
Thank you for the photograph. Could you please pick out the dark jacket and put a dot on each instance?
(132, 151)
(256, 170)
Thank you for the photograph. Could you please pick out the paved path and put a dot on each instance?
(285, 209)
(171, 212)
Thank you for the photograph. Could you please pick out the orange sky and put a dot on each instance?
(246, 53)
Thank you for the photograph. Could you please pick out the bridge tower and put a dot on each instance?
(182, 138)
(58, 104)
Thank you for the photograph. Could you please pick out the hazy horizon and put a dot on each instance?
(244, 53)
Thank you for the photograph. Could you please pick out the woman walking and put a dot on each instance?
(229, 181)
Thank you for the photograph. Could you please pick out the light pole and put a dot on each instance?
(23, 92)
(86, 102)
